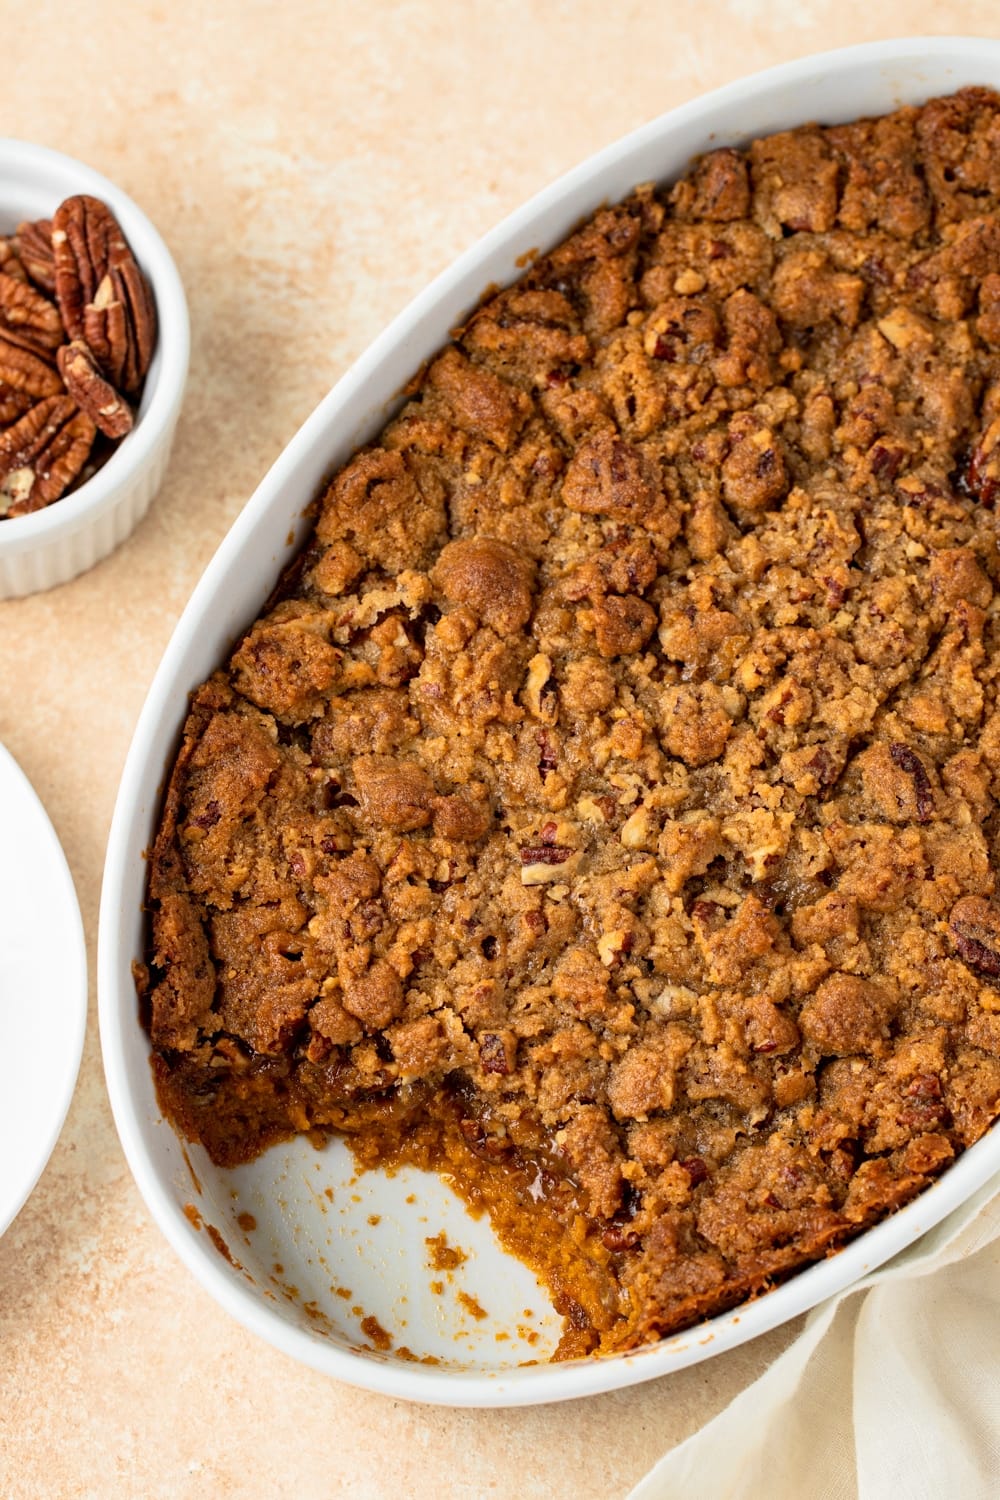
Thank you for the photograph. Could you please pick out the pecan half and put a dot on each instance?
(975, 931)
(133, 291)
(104, 298)
(105, 332)
(91, 392)
(86, 241)
(13, 404)
(42, 454)
(120, 327)
(23, 369)
(34, 246)
(10, 263)
(25, 311)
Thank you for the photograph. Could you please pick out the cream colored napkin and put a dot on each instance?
(891, 1391)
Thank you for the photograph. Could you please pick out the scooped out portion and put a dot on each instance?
(603, 810)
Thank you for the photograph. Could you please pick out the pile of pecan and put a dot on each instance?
(77, 331)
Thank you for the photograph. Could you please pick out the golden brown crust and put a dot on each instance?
(606, 807)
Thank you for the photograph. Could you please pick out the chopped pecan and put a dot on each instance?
(21, 369)
(885, 460)
(614, 947)
(709, 915)
(982, 476)
(91, 392)
(975, 931)
(496, 1053)
(539, 691)
(547, 758)
(478, 1138)
(34, 247)
(42, 454)
(26, 312)
(617, 1238)
(542, 864)
(546, 854)
(909, 761)
(924, 1106)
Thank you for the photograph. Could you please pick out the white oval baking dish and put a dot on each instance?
(312, 1263)
(51, 546)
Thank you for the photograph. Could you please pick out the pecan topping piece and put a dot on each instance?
(617, 1238)
(21, 369)
(924, 1106)
(495, 1053)
(546, 854)
(975, 931)
(982, 476)
(542, 864)
(909, 761)
(34, 246)
(42, 454)
(91, 392)
(27, 312)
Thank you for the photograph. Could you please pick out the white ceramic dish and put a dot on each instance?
(43, 987)
(53, 545)
(323, 1240)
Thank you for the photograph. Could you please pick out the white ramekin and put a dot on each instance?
(53, 545)
(283, 1190)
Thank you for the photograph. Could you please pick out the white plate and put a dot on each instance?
(367, 1237)
(43, 987)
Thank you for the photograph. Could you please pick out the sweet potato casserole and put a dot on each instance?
(603, 810)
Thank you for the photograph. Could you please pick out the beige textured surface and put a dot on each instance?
(311, 165)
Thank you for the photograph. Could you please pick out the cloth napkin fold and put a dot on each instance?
(891, 1391)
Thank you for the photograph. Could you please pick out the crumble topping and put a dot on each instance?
(604, 807)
